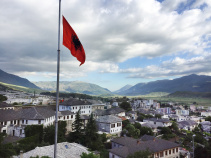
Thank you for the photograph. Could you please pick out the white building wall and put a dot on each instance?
(85, 109)
(116, 129)
(111, 155)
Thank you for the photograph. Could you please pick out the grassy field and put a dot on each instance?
(21, 88)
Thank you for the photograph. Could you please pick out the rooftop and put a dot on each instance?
(64, 150)
(131, 145)
(73, 101)
(108, 119)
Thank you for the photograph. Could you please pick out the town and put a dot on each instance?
(119, 127)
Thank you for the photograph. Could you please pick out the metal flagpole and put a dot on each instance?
(57, 88)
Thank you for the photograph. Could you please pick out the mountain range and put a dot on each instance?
(191, 83)
(73, 87)
(15, 80)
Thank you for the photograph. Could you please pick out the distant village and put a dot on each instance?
(131, 125)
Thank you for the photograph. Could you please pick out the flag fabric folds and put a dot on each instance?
(71, 41)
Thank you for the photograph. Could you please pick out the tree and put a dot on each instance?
(132, 131)
(126, 106)
(208, 118)
(157, 116)
(90, 155)
(174, 127)
(77, 134)
(49, 134)
(140, 154)
(165, 130)
(62, 131)
(146, 130)
(137, 125)
(2, 98)
(93, 140)
(125, 123)
(32, 130)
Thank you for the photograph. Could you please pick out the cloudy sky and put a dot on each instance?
(126, 41)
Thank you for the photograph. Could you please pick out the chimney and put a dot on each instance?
(138, 141)
(21, 154)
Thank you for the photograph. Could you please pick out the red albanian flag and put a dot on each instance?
(71, 41)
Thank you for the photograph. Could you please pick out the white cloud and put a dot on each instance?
(110, 31)
(176, 67)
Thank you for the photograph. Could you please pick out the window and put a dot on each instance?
(119, 124)
(1, 123)
(39, 121)
(5, 123)
(64, 117)
(166, 152)
(22, 121)
(26, 121)
(73, 107)
(71, 116)
(173, 150)
(67, 117)
(113, 156)
(169, 152)
(161, 154)
(10, 122)
(113, 125)
(15, 122)
(177, 150)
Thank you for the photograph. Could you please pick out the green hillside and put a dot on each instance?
(73, 87)
(4, 86)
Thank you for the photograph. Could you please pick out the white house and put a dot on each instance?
(206, 113)
(158, 122)
(109, 124)
(115, 104)
(74, 105)
(187, 125)
(182, 112)
(13, 122)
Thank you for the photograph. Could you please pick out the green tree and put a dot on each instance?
(77, 124)
(165, 130)
(90, 155)
(32, 130)
(132, 131)
(140, 154)
(208, 118)
(146, 130)
(93, 140)
(174, 127)
(126, 106)
(2, 98)
(62, 131)
(77, 134)
(49, 134)
(137, 125)
(157, 116)
(125, 123)
(141, 117)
